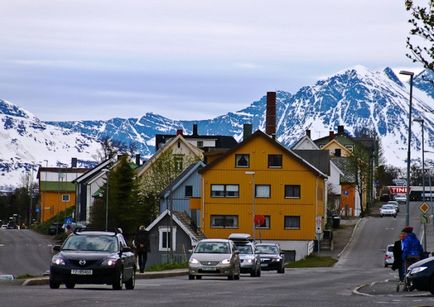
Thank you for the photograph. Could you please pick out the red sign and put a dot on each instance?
(259, 220)
(397, 190)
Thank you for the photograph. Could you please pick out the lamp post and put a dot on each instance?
(420, 120)
(106, 171)
(407, 215)
(251, 173)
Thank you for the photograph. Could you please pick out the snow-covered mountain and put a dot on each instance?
(26, 143)
(357, 98)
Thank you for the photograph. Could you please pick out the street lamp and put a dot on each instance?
(106, 171)
(251, 173)
(407, 215)
(421, 121)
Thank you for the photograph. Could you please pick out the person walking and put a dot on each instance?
(397, 256)
(141, 244)
(412, 250)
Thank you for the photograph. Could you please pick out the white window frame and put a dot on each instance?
(259, 188)
(161, 231)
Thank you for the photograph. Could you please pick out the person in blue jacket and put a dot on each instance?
(412, 250)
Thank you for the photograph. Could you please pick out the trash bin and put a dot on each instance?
(336, 221)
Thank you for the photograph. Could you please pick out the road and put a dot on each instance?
(24, 252)
(361, 263)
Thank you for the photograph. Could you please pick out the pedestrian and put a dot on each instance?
(412, 250)
(141, 244)
(397, 256)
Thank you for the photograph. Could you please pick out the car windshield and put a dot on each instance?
(245, 249)
(91, 243)
(388, 207)
(390, 248)
(266, 249)
(212, 248)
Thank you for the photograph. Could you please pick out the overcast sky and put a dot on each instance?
(99, 59)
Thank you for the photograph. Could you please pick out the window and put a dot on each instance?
(263, 191)
(165, 240)
(292, 191)
(225, 190)
(265, 223)
(292, 222)
(199, 143)
(224, 221)
(188, 191)
(242, 160)
(274, 161)
(337, 152)
(178, 160)
(65, 198)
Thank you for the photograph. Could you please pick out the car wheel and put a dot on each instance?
(54, 284)
(431, 285)
(237, 277)
(117, 283)
(191, 277)
(281, 270)
(70, 285)
(131, 282)
(253, 273)
(258, 273)
(231, 276)
(198, 277)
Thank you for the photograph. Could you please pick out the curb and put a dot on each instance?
(351, 238)
(148, 275)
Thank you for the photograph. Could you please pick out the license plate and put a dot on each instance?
(265, 259)
(264, 264)
(208, 268)
(81, 272)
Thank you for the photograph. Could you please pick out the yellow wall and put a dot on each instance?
(332, 146)
(51, 204)
(307, 207)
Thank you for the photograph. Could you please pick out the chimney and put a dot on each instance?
(138, 159)
(179, 132)
(74, 162)
(341, 129)
(308, 133)
(270, 117)
(331, 135)
(247, 131)
(195, 129)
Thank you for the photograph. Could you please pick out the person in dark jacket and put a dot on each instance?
(397, 256)
(141, 244)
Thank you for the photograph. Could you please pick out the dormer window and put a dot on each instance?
(199, 144)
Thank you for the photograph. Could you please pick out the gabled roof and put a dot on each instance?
(95, 171)
(181, 178)
(222, 141)
(304, 139)
(183, 221)
(335, 142)
(319, 158)
(260, 134)
(167, 146)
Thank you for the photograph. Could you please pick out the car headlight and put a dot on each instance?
(276, 260)
(111, 261)
(226, 261)
(418, 269)
(249, 260)
(194, 261)
(57, 260)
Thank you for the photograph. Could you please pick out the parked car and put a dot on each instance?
(386, 210)
(214, 257)
(420, 275)
(250, 261)
(402, 198)
(11, 225)
(388, 255)
(4, 226)
(93, 257)
(394, 203)
(271, 256)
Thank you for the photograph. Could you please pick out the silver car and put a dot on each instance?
(214, 257)
(387, 210)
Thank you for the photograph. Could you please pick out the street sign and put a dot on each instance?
(68, 220)
(424, 207)
(424, 219)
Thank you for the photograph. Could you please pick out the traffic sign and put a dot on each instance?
(424, 207)
(424, 219)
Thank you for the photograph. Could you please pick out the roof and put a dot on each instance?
(94, 171)
(260, 134)
(343, 164)
(183, 221)
(181, 178)
(222, 141)
(61, 170)
(319, 158)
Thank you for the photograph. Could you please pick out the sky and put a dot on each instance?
(98, 59)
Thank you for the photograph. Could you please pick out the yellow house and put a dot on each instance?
(57, 190)
(261, 182)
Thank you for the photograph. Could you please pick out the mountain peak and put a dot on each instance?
(10, 109)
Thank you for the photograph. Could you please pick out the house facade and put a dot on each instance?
(262, 188)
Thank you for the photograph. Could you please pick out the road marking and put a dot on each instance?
(1, 245)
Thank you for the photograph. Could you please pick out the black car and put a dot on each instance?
(420, 275)
(93, 257)
(272, 257)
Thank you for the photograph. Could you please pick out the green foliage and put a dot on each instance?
(313, 261)
(421, 39)
(167, 266)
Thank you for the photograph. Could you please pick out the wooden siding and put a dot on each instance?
(52, 204)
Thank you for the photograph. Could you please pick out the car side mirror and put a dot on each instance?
(126, 249)
(56, 248)
(190, 251)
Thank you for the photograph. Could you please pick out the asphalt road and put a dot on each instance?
(360, 264)
(24, 252)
